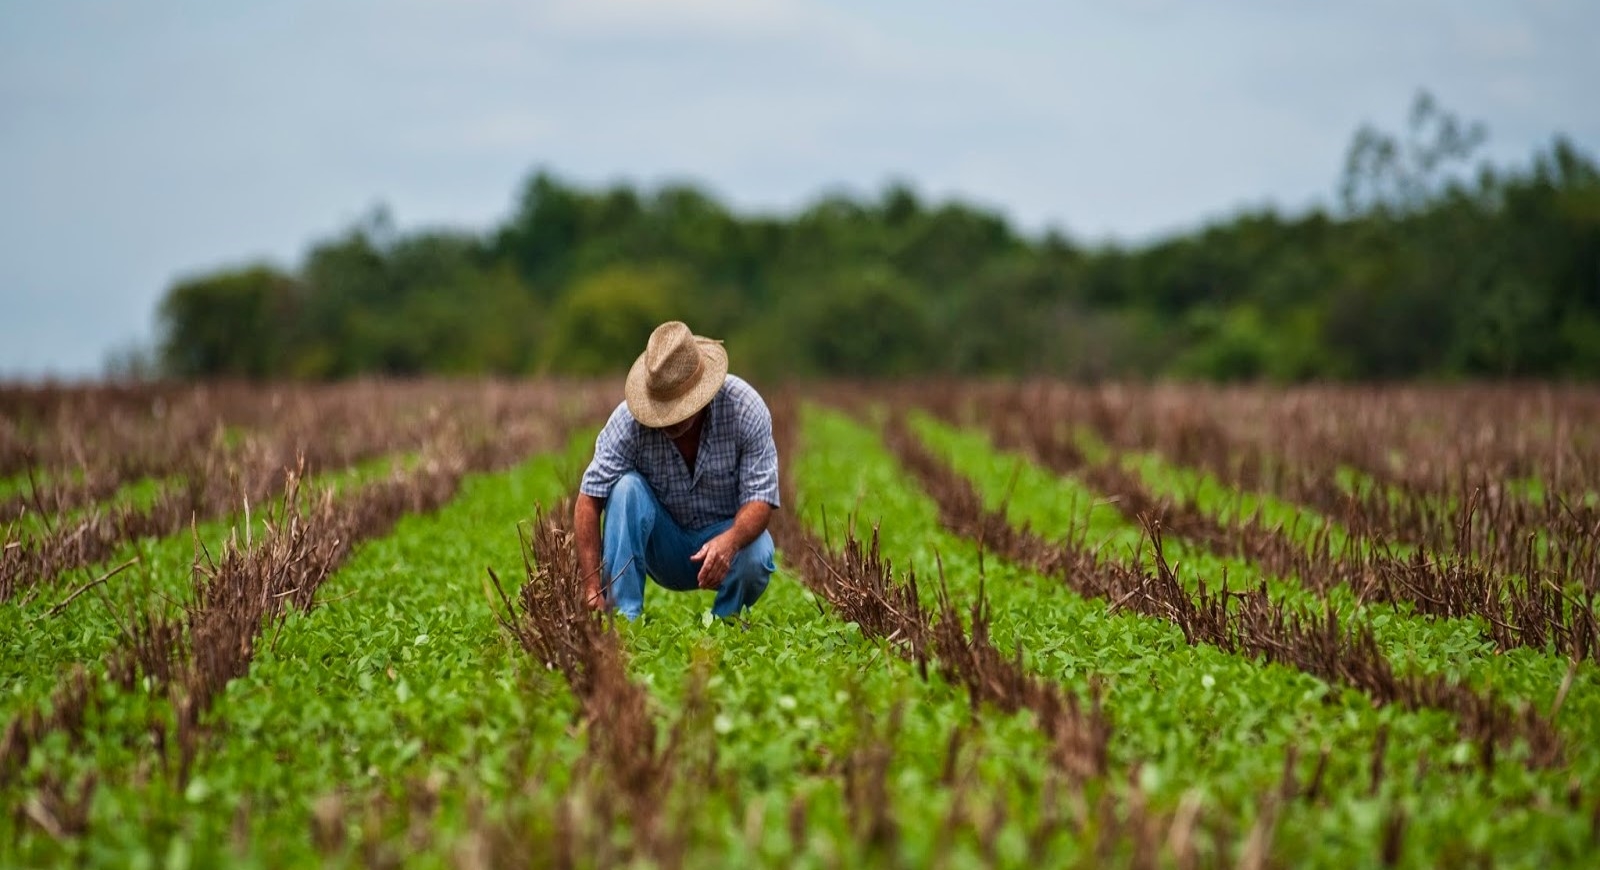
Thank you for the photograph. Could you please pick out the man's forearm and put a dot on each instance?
(586, 537)
(749, 523)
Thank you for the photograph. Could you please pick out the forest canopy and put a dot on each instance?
(1433, 264)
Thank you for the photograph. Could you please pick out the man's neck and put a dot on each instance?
(688, 443)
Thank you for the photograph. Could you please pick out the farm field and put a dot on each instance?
(1024, 624)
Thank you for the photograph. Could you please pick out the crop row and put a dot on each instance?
(194, 444)
(1321, 457)
(1249, 622)
(1038, 623)
(144, 556)
(158, 680)
(346, 670)
(218, 477)
(1540, 594)
(1427, 647)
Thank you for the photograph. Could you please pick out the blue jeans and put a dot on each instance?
(642, 538)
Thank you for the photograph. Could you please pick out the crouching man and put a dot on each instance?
(686, 475)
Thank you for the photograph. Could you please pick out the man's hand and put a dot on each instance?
(715, 558)
(594, 597)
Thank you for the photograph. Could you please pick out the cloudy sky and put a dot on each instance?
(140, 142)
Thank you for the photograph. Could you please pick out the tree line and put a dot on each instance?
(1430, 265)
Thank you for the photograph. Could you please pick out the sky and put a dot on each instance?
(144, 142)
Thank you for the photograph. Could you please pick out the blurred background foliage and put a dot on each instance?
(1432, 265)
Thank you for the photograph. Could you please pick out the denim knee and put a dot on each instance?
(762, 550)
(757, 555)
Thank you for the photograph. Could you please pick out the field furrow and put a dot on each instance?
(1301, 450)
(1250, 621)
(1162, 681)
(1453, 649)
(1544, 599)
(153, 749)
(219, 476)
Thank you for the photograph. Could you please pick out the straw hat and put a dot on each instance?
(677, 375)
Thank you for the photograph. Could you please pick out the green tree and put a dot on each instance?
(542, 238)
(473, 321)
(603, 322)
(861, 322)
(347, 287)
(232, 323)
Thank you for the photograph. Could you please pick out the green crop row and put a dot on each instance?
(1457, 648)
(136, 495)
(795, 693)
(24, 481)
(1200, 719)
(39, 644)
(399, 682)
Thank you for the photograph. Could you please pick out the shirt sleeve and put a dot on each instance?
(614, 450)
(758, 455)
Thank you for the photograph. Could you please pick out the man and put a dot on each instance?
(686, 474)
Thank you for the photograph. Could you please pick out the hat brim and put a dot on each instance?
(657, 414)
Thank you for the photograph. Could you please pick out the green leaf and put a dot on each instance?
(197, 790)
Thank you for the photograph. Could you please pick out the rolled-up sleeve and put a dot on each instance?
(614, 450)
(758, 455)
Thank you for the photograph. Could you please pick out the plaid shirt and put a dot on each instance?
(737, 462)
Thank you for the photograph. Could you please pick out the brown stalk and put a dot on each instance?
(237, 594)
(1248, 622)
